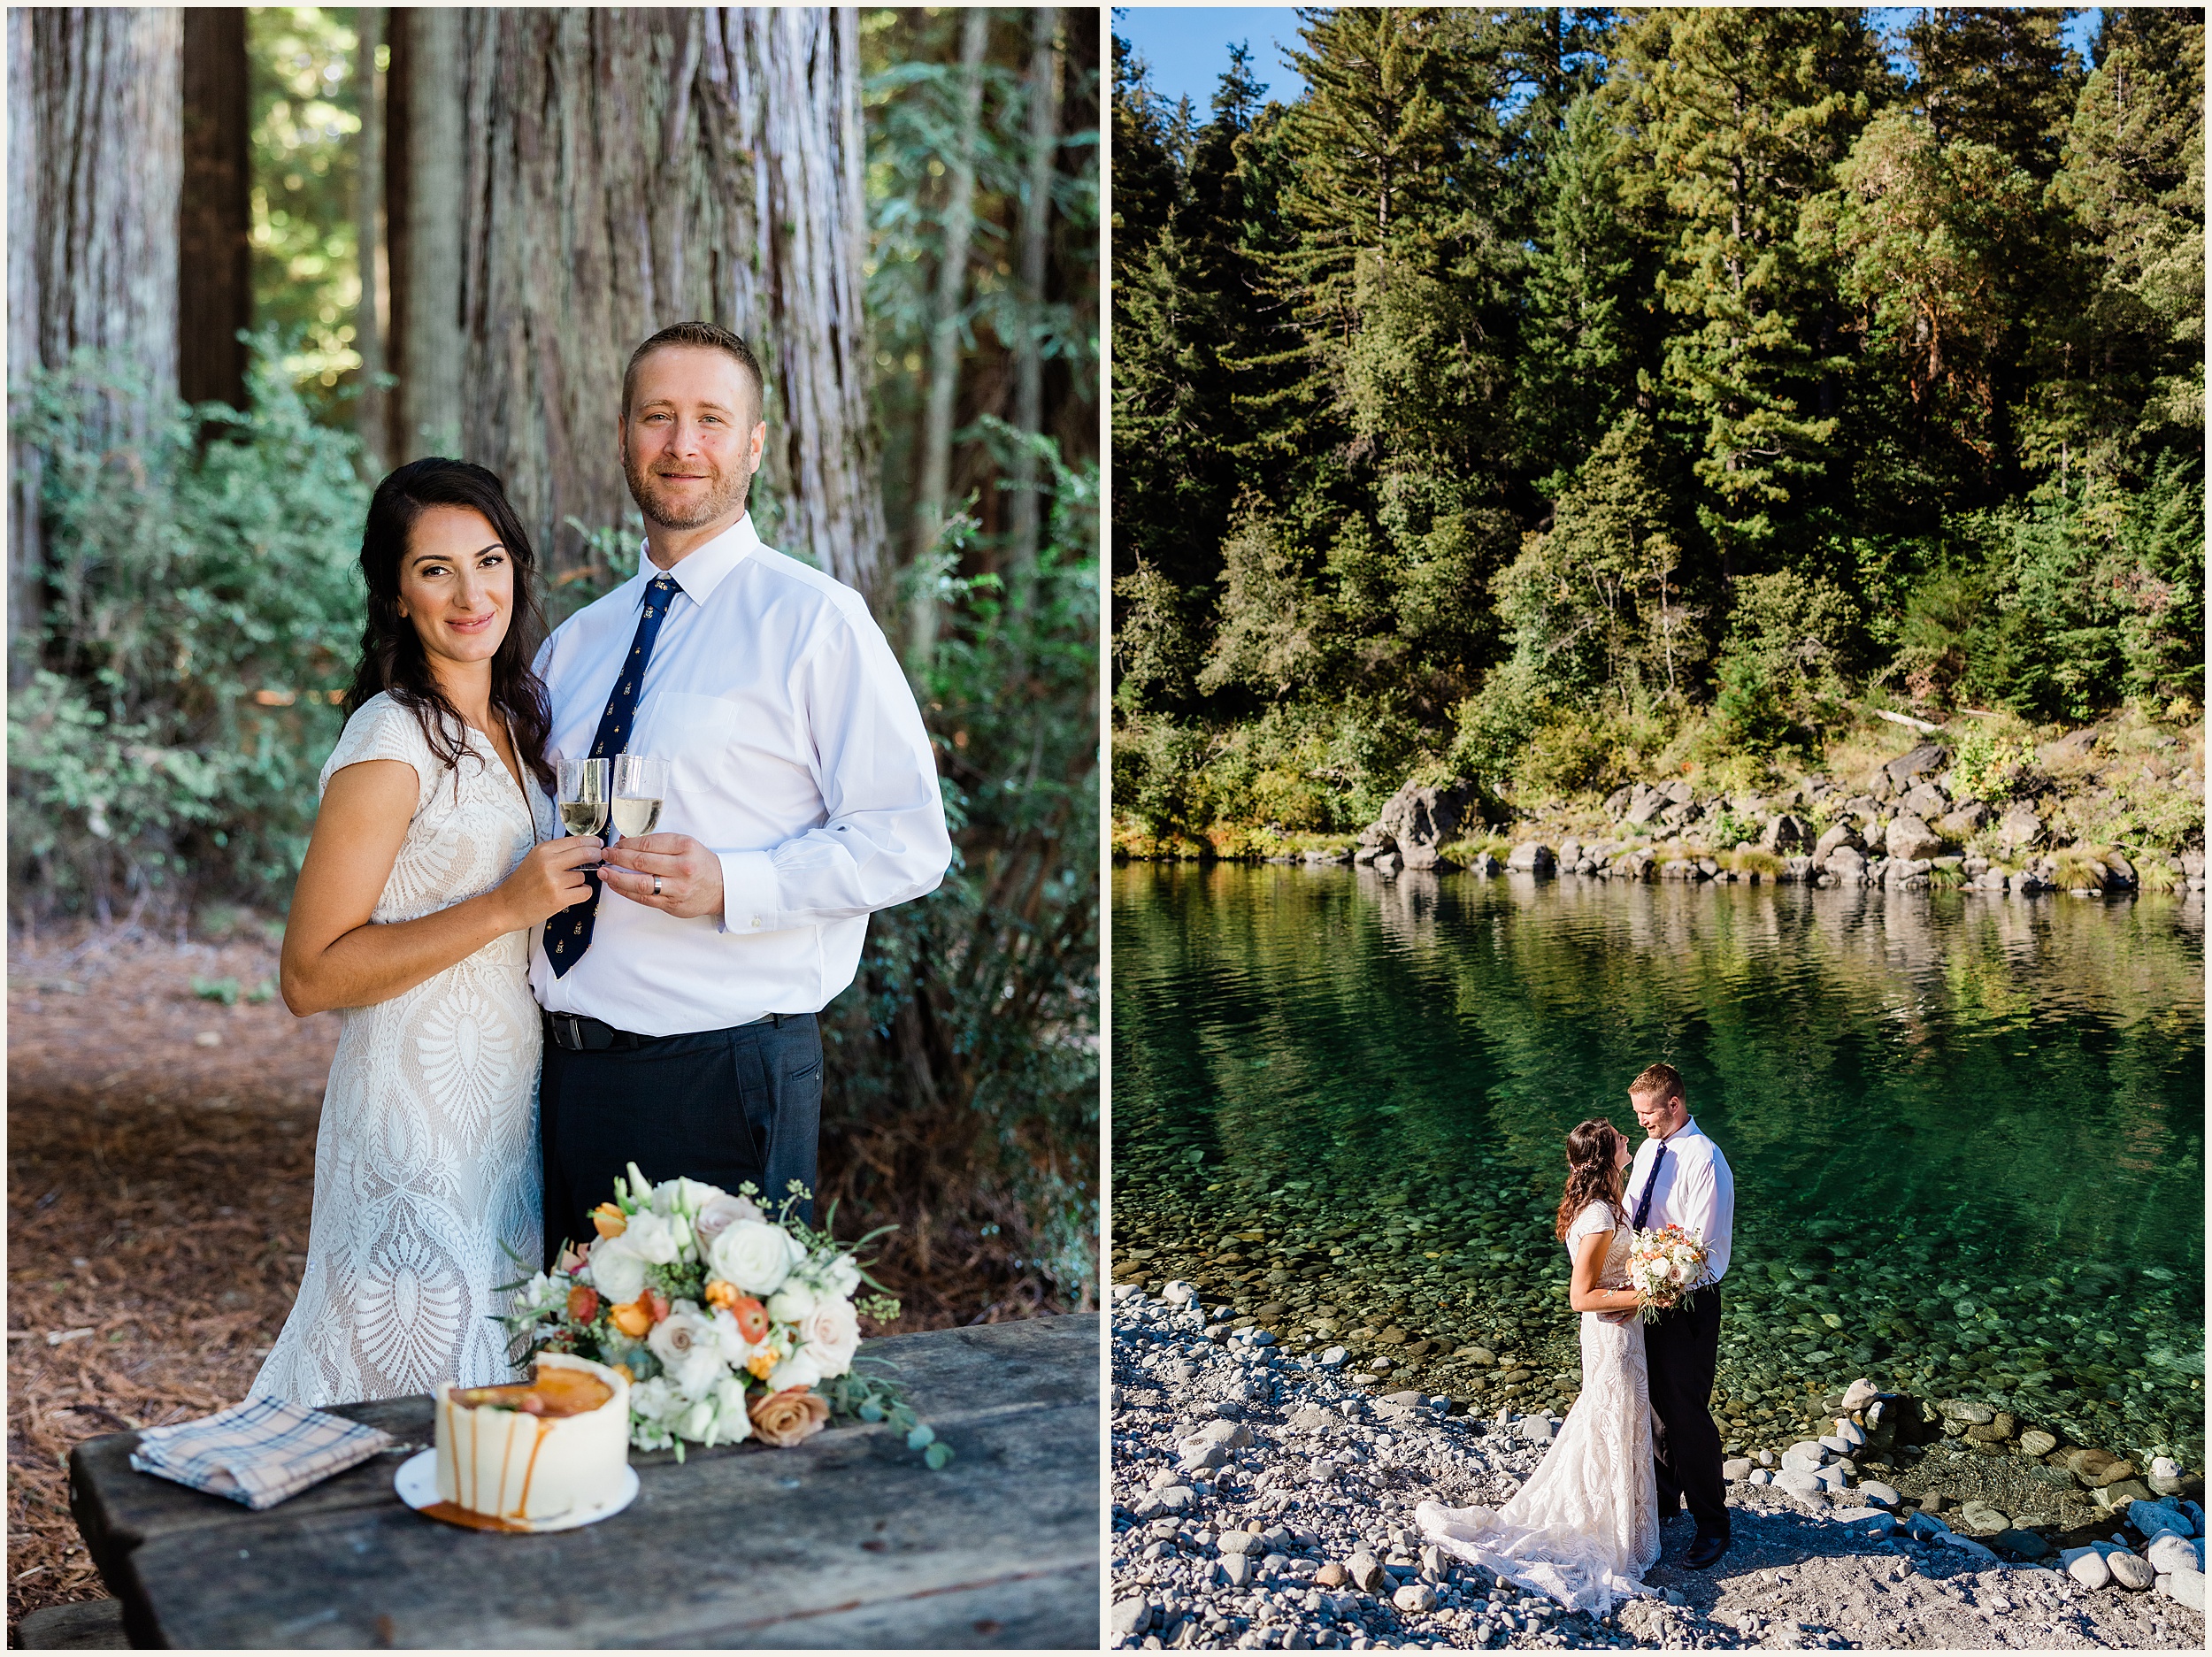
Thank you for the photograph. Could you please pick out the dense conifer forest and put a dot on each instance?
(1561, 396)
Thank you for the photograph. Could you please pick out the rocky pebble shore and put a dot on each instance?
(1265, 1501)
(1910, 822)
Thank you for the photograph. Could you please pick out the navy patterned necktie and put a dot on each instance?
(1643, 1209)
(568, 934)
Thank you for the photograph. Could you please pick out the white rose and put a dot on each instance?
(798, 1369)
(616, 1269)
(689, 1347)
(692, 1196)
(717, 1213)
(754, 1256)
(792, 1303)
(652, 1237)
(698, 1420)
(830, 1335)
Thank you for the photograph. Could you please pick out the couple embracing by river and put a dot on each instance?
(1639, 1442)
(526, 1013)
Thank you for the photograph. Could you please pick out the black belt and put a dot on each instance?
(575, 1032)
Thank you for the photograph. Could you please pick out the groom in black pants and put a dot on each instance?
(795, 793)
(1680, 1178)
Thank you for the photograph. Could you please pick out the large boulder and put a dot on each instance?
(2020, 828)
(1925, 761)
(1423, 855)
(1836, 834)
(1532, 857)
(1784, 834)
(1421, 814)
(1965, 822)
(1911, 839)
(1925, 801)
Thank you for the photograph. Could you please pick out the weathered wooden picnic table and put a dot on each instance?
(848, 1540)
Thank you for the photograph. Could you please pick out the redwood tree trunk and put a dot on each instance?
(96, 104)
(946, 313)
(427, 216)
(372, 420)
(622, 170)
(214, 264)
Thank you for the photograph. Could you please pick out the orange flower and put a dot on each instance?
(609, 1221)
(633, 1319)
(583, 1303)
(655, 1302)
(761, 1363)
(721, 1293)
(622, 1369)
(785, 1418)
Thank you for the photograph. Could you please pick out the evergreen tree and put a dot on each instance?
(1743, 114)
(1997, 76)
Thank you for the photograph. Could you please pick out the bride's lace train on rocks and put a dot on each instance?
(1585, 1526)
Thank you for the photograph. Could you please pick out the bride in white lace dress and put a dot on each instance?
(413, 914)
(1586, 1527)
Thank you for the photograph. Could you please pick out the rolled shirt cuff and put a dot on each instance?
(749, 892)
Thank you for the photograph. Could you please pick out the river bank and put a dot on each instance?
(2113, 809)
(1266, 1502)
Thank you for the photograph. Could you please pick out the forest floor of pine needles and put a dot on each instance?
(161, 1153)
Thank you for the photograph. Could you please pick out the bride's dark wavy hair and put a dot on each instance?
(393, 661)
(1591, 1174)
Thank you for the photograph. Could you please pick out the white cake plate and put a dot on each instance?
(417, 1483)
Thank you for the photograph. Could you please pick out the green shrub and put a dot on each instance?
(1987, 770)
(201, 613)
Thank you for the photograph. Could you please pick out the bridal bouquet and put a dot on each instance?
(730, 1322)
(1663, 1265)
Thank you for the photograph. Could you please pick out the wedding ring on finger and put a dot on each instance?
(656, 886)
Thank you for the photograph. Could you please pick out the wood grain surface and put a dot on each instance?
(846, 1541)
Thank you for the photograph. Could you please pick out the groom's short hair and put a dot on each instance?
(714, 339)
(1662, 1082)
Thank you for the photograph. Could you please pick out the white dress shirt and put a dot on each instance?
(1695, 1192)
(797, 756)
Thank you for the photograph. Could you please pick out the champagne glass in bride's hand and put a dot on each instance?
(641, 783)
(583, 796)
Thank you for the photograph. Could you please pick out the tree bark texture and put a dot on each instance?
(946, 317)
(1036, 225)
(214, 253)
(96, 150)
(372, 418)
(109, 98)
(617, 171)
(429, 344)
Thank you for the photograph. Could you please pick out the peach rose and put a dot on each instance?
(633, 1318)
(785, 1418)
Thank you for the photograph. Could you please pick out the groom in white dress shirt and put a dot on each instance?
(802, 795)
(1679, 1177)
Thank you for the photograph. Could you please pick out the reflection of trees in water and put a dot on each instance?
(1986, 1068)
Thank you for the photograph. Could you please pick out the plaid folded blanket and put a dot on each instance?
(257, 1453)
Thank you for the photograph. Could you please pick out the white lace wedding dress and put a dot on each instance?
(1586, 1527)
(427, 1162)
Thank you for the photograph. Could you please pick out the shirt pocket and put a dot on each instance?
(695, 733)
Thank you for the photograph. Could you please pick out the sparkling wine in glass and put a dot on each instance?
(641, 783)
(583, 795)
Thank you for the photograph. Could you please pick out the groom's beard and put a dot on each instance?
(725, 494)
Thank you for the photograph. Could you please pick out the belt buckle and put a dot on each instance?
(571, 1031)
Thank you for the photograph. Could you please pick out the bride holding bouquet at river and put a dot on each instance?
(1586, 1527)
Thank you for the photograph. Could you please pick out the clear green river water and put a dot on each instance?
(1967, 1130)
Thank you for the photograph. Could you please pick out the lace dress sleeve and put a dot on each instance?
(382, 729)
(1594, 1218)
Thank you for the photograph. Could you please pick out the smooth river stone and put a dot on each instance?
(2131, 1571)
(2185, 1587)
(2090, 1570)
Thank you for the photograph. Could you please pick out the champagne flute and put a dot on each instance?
(583, 795)
(641, 783)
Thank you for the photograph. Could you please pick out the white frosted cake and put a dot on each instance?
(536, 1451)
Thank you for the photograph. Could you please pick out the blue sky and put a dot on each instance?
(1188, 47)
